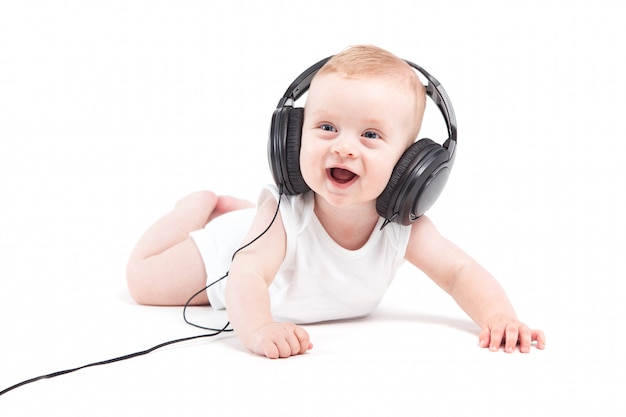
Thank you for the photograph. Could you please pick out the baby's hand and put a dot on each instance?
(500, 330)
(280, 340)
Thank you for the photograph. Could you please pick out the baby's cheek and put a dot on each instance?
(311, 165)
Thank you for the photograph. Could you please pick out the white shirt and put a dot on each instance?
(318, 280)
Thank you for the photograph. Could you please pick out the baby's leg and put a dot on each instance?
(165, 268)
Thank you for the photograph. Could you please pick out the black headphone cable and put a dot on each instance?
(214, 331)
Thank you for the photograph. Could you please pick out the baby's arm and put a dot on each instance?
(247, 297)
(472, 287)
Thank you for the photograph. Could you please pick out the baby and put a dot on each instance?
(329, 237)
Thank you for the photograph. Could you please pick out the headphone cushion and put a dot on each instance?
(293, 142)
(384, 203)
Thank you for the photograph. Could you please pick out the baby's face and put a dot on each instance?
(354, 132)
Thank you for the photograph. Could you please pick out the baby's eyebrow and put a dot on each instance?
(319, 112)
(374, 122)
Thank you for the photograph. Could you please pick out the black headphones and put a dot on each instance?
(418, 177)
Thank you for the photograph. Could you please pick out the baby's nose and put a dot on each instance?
(344, 149)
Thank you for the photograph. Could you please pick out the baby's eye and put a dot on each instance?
(370, 134)
(327, 128)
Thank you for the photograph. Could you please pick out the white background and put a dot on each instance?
(110, 111)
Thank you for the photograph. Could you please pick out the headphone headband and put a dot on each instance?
(434, 90)
(301, 84)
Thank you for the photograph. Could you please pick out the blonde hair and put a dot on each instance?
(368, 61)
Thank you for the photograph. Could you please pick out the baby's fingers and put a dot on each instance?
(282, 340)
(491, 337)
(296, 343)
(304, 341)
(484, 337)
(509, 335)
(517, 334)
(539, 337)
(524, 338)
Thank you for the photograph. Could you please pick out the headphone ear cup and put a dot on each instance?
(292, 151)
(283, 150)
(410, 178)
(384, 203)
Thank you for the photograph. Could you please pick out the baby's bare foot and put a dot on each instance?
(227, 203)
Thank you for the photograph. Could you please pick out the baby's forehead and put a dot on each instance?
(386, 90)
(400, 77)
(394, 84)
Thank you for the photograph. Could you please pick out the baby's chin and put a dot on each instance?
(338, 200)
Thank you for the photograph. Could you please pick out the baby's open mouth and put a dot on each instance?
(342, 176)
